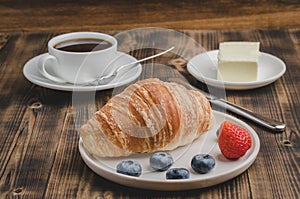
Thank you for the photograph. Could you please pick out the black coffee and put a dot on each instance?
(83, 45)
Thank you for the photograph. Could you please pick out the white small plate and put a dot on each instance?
(32, 73)
(270, 68)
(224, 170)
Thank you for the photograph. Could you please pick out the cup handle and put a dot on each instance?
(42, 68)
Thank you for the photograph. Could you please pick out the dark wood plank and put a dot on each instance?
(32, 120)
(122, 15)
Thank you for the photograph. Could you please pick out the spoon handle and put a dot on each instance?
(141, 60)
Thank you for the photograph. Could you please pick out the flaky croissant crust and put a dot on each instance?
(147, 116)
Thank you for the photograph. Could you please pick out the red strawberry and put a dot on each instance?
(234, 141)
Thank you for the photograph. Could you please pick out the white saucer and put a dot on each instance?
(32, 73)
(270, 68)
(224, 170)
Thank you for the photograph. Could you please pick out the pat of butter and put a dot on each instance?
(238, 61)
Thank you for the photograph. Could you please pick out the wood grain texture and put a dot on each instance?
(67, 15)
(39, 141)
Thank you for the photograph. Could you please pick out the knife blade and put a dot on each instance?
(268, 123)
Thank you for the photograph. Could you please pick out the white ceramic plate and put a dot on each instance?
(224, 169)
(32, 73)
(204, 68)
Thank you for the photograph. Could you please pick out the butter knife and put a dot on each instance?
(268, 123)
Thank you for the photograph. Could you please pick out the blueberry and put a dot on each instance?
(161, 161)
(129, 167)
(203, 163)
(178, 173)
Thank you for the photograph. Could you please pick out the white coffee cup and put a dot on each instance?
(63, 64)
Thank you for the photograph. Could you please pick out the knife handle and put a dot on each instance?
(255, 117)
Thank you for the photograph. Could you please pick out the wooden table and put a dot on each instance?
(39, 141)
(39, 156)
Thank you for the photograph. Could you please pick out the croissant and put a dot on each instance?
(148, 116)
